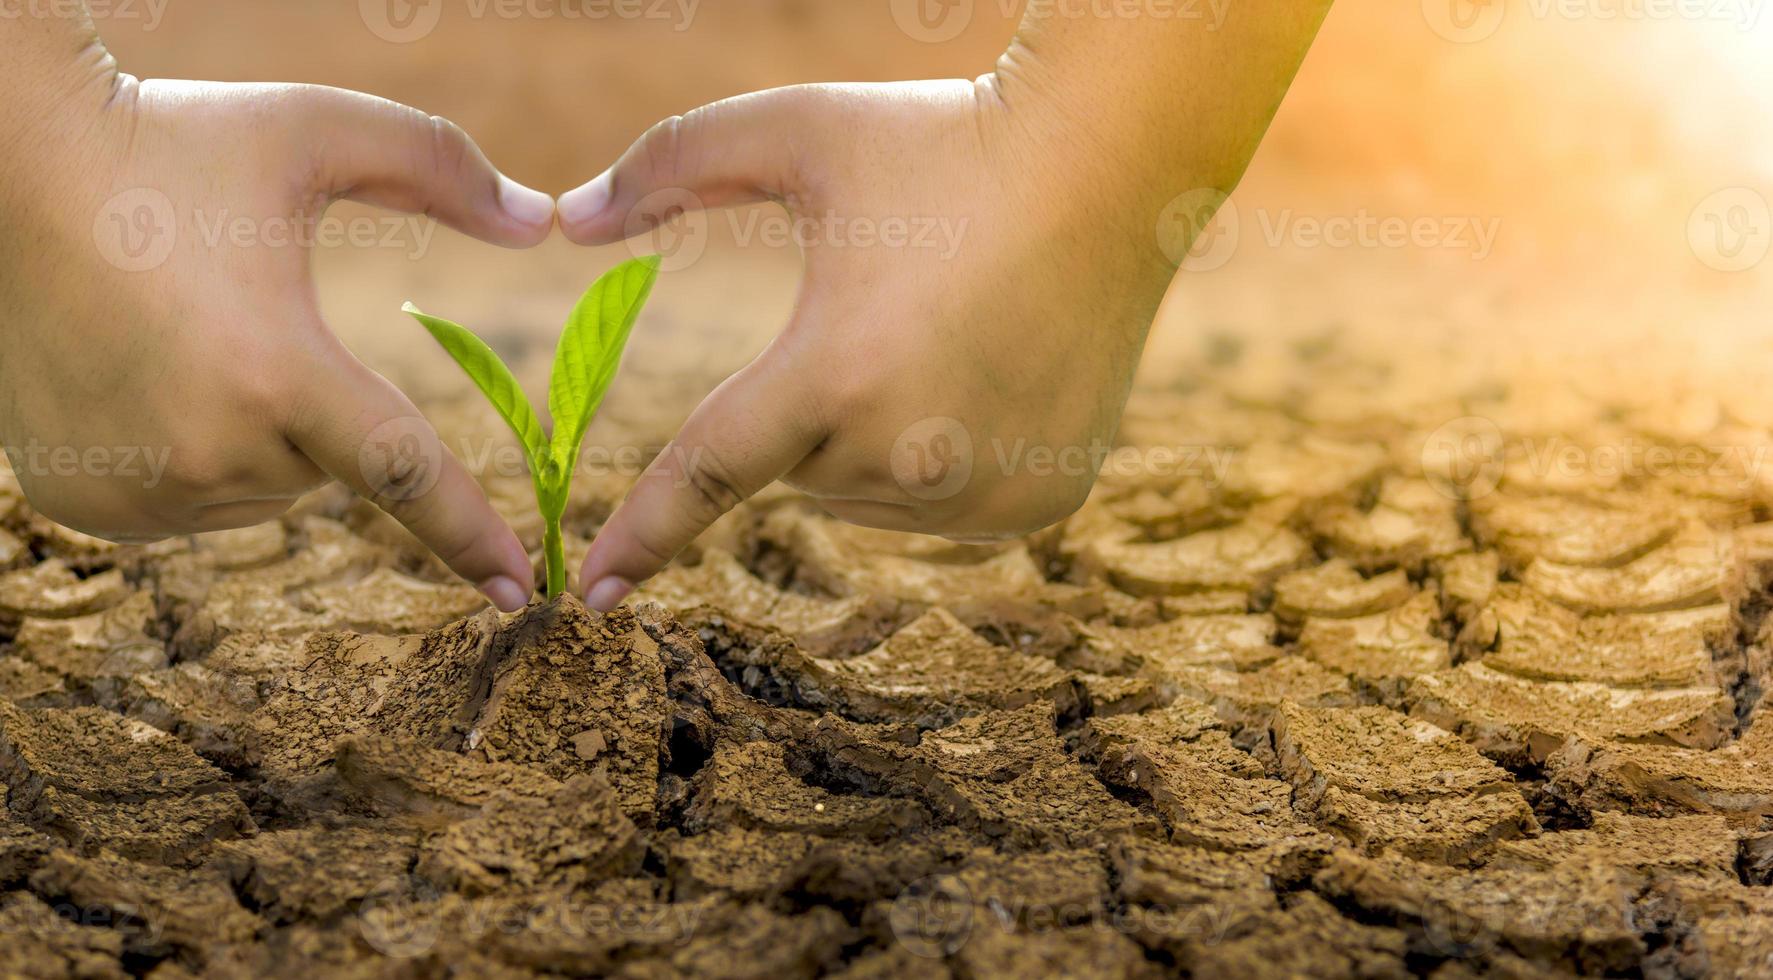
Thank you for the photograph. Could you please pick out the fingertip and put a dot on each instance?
(608, 593)
(530, 210)
(506, 594)
(584, 208)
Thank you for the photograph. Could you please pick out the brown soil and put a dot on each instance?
(1318, 719)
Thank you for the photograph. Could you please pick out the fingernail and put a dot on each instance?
(608, 594)
(582, 205)
(505, 593)
(527, 206)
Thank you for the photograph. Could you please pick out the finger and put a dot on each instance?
(394, 156)
(750, 431)
(362, 431)
(737, 151)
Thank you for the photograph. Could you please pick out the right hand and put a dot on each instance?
(1017, 326)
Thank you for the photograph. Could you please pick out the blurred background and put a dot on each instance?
(1573, 191)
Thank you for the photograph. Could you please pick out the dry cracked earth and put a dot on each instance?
(1380, 696)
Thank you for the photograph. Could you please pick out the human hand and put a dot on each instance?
(129, 322)
(915, 377)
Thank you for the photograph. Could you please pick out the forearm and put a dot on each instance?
(1152, 97)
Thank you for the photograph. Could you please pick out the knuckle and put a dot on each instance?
(848, 394)
(710, 489)
(662, 149)
(199, 470)
(448, 147)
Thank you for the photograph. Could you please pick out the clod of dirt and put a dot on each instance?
(1311, 471)
(993, 950)
(572, 840)
(737, 861)
(1181, 761)
(1384, 651)
(1158, 514)
(30, 686)
(1410, 524)
(1246, 557)
(1467, 584)
(1391, 784)
(49, 590)
(248, 547)
(1248, 699)
(43, 943)
(1697, 846)
(97, 780)
(401, 779)
(1468, 581)
(1180, 901)
(1223, 642)
(1567, 530)
(1661, 780)
(1582, 914)
(80, 551)
(1754, 859)
(14, 553)
(1715, 929)
(1308, 938)
(1004, 775)
(822, 627)
(386, 601)
(1335, 590)
(85, 649)
(211, 602)
(1515, 720)
(1105, 695)
(929, 673)
(749, 785)
(159, 911)
(315, 874)
(824, 565)
(1684, 573)
(1541, 640)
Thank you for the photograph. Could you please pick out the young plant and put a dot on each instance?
(584, 365)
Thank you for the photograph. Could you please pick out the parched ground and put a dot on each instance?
(1421, 679)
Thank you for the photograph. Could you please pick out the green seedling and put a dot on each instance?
(584, 365)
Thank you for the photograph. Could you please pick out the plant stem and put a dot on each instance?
(556, 559)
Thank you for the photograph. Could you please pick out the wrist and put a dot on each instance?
(1078, 186)
(1144, 111)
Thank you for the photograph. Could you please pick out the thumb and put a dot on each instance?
(737, 151)
(363, 432)
(750, 431)
(394, 156)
